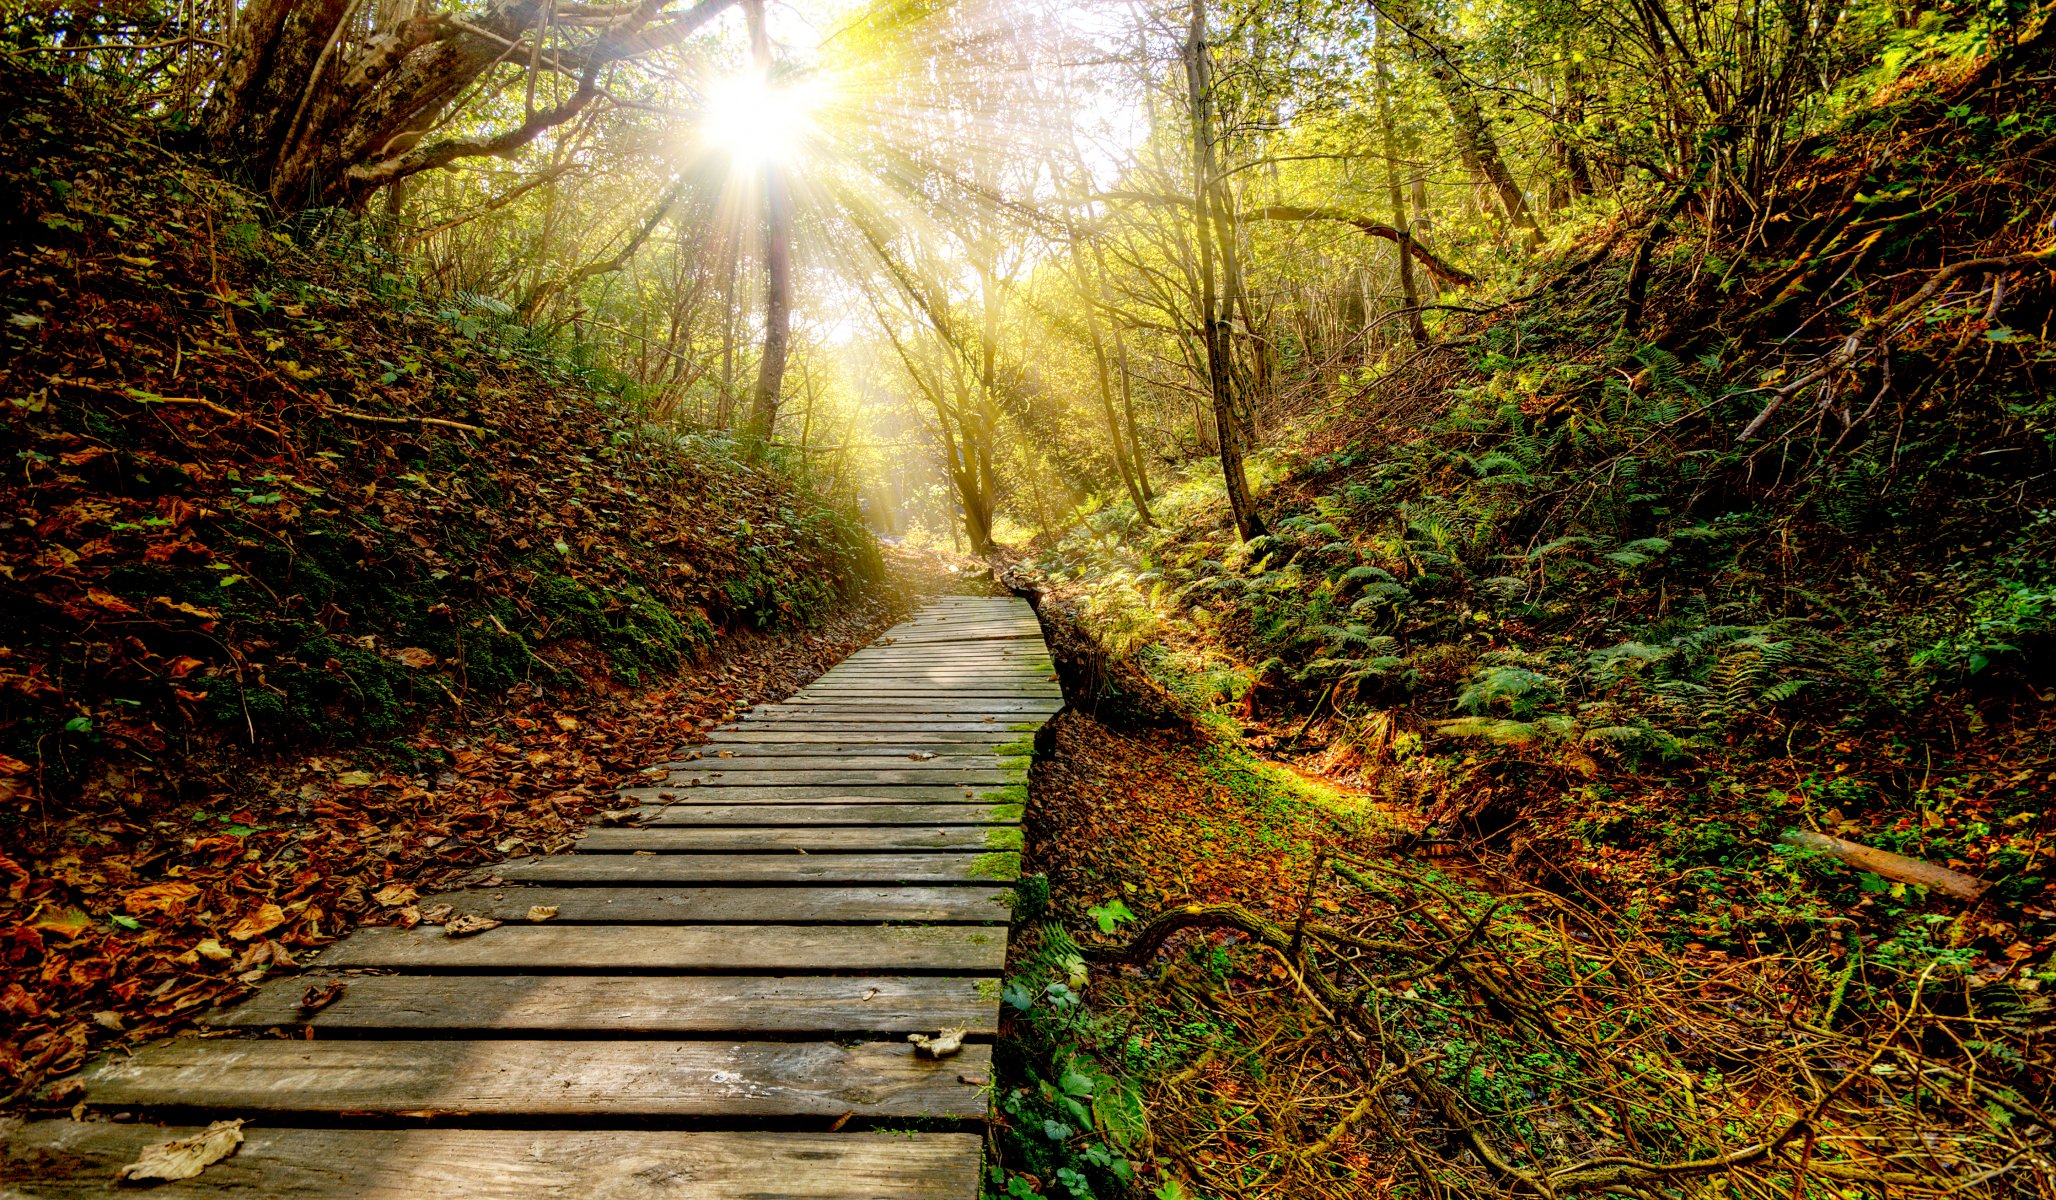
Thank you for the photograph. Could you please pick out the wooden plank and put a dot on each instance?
(984, 760)
(531, 1079)
(891, 794)
(825, 721)
(814, 839)
(911, 774)
(755, 905)
(966, 949)
(654, 869)
(642, 1005)
(773, 745)
(956, 709)
(76, 1160)
(831, 814)
(972, 738)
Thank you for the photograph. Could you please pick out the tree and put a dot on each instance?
(777, 259)
(323, 102)
(1216, 243)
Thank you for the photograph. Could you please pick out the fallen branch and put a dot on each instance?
(1896, 867)
(375, 419)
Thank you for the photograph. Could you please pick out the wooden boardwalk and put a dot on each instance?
(719, 1007)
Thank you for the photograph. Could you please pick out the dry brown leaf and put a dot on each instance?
(415, 656)
(355, 779)
(158, 897)
(211, 948)
(541, 912)
(184, 1158)
(262, 920)
(437, 914)
(320, 996)
(466, 924)
(942, 1045)
(393, 895)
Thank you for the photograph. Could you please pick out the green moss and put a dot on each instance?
(1004, 812)
(1026, 727)
(1003, 839)
(1006, 749)
(1012, 793)
(998, 864)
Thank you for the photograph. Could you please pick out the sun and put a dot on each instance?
(757, 122)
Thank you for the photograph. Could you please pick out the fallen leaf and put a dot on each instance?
(109, 1019)
(321, 996)
(393, 895)
(942, 1045)
(567, 724)
(158, 897)
(437, 914)
(468, 924)
(9, 765)
(261, 920)
(541, 912)
(415, 656)
(355, 779)
(209, 948)
(101, 599)
(184, 1158)
(68, 923)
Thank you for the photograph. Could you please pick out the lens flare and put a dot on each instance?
(758, 122)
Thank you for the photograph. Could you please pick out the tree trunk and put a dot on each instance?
(1473, 132)
(1213, 323)
(1381, 85)
(777, 259)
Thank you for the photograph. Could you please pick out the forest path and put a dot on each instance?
(717, 1008)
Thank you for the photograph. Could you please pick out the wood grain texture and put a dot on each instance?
(772, 745)
(835, 1005)
(736, 905)
(844, 776)
(618, 1079)
(875, 794)
(762, 761)
(74, 1160)
(974, 738)
(657, 869)
(735, 948)
(710, 815)
(814, 839)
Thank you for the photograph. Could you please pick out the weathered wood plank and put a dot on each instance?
(644, 1005)
(75, 1160)
(655, 869)
(904, 707)
(617, 1079)
(823, 721)
(969, 949)
(831, 814)
(834, 741)
(762, 761)
(814, 839)
(772, 745)
(912, 773)
(888, 794)
(718, 905)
